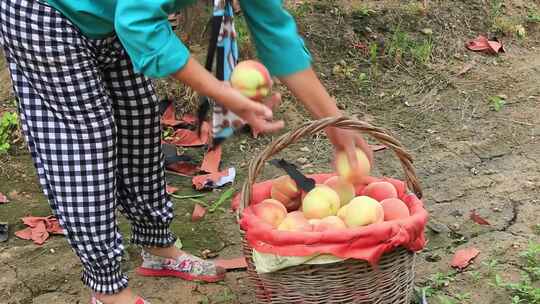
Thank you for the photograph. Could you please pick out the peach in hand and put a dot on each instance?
(344, 169)
(252, 79)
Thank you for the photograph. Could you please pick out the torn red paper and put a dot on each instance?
(198, 213)
(171, 189)
(189, 138)
(3, 198)
(39, 228)
(211, 160)
(184, 168)
(463, 257)
(231, 264)
(478, 219)
(482, 44)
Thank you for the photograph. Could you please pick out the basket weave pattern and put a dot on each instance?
(350, 281)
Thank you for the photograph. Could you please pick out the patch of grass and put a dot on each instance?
(526, 290)
(533, 16)
(8, 124)
(402, 46)
(497, 103)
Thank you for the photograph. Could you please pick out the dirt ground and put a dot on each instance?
(470, 120)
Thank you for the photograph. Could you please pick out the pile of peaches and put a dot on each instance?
(332, 204)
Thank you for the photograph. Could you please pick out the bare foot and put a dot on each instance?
(126, 296)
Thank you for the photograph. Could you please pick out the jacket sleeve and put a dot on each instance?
(145, 32)
(276, 38)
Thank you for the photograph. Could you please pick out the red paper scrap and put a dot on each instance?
(463, 257)
(184, 168)
(3, 198)
(478, 219)
(198, 213)
(211, 160)
(39, 228)
(230, 264)
(171, 189)
(482, 44)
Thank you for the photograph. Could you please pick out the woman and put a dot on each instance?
(81, 70)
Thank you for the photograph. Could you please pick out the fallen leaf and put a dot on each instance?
(463, 257)
(482, 44)
(171, 189)
(478, 219)
(3, 198)
(209, 254)
(198, 213)
(230, 264)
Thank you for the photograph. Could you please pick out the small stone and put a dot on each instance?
(427, 31)
(497, 209)
(305, 149)
(52, 250)
(474, 171)
(502, 96)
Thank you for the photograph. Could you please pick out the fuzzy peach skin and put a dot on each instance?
(295, 221)
(380, 191)
(343, 188)
(328, 223)
(320, 202)
(252, 79)
(343, 167)
(362, 211)
(270, 211)
(394, 209)
(284, 189)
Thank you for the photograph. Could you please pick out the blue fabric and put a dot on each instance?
(143, 28)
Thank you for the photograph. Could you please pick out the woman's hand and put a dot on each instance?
(258, 115)
(348, 141)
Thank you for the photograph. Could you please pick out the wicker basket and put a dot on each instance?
(350, 281)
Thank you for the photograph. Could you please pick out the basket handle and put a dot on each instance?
(316, 126)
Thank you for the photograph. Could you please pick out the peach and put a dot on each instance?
(321, 201)
(284, 189)
(380, 191)
(295, 221)
(362, 211)
(328, 223)
(394, 209)
(271, 211)
(343, 166)
(252, 79)
(343, 188)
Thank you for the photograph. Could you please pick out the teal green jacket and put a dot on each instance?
(156, 51)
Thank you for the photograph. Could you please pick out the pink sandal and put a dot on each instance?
(186, 266)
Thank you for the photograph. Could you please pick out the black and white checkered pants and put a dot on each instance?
(93, 129)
